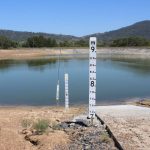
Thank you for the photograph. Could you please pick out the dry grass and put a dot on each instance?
(104, 137)
(31, 53)
(11, 120)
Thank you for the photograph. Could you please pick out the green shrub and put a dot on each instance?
(6, 43)
(130, 41)
(41, 125)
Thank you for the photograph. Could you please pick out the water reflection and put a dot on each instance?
(6, 64)
(39, 64)
(136, 65)
(140, 66)
(33, 82)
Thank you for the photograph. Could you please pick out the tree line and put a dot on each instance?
(130, 41)
(6, 43)
(41, 41)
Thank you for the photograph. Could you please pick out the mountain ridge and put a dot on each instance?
(138, 29)
(23, 35)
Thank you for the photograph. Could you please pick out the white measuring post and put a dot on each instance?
(92, 77)
(66, 91)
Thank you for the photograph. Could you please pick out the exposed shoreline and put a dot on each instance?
(17, 125)
(125, 121)
(139, 52)
(11, 126)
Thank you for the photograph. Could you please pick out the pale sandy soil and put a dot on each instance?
(130, 124)
(44, 52)
(10, 127)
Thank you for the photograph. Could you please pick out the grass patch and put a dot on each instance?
(104, 137)
(41, 125)
(26, 123)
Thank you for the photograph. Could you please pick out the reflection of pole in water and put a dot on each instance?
(57, 89)
(57, 94)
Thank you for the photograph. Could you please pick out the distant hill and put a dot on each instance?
(139, 29)
(22, 36)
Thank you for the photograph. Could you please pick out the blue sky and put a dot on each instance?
(75, 17)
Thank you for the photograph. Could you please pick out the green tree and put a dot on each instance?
(40, 41)
(81, 43)
(6, 43)
(131, 41)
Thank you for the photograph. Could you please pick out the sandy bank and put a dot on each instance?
(102, 52)
(17, 134)
(10, 126)
(130, 124)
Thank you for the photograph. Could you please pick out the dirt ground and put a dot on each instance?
(35, 53)
(26, 53)
(10, 127)
(29, 53)
(130, 124)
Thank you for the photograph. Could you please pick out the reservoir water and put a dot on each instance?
(33, 82)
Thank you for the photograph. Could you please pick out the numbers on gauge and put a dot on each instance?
(92, 83)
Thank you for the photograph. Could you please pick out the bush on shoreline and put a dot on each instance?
(130, 42)
(41, 41)
(6, 43)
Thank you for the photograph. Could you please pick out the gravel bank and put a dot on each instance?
(130, 124)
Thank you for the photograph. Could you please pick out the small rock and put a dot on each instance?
(24, 131)
(87, 147)
(27, 132)
(83, 122)
(32, 139)
(57, 120)
(64, 125)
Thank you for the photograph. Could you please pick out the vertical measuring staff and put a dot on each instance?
(66, 91)
(92, 77)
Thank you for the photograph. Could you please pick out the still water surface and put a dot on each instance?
(33, 82)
